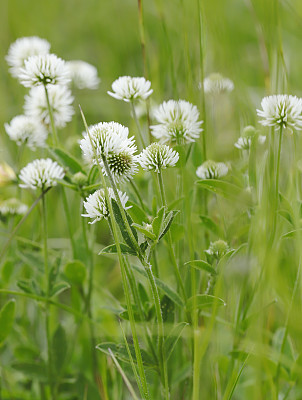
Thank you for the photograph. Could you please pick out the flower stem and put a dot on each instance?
(138, 195)
(47, 308)
(52, 122)
(140, 133)
(170, 244)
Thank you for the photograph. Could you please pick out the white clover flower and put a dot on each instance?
(60, 99)
(245, 141)
(44, 70)
(281, 111)
(25, 129)
(12, 207)
(128, 88)
(41, 174)
(83, 75)
(217, 249)
(215, 83)
(110, 140)
(157, 157)
(23, 48)
(96, 206)
(177, 122)
(212, 170)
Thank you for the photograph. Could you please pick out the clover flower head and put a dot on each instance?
(248, 134)
(60, 100)
(44, 69)
(41, 173)
(83, 75)
(28, 130)
(217, 250)
(23, 48)
(177, 122)
(96, 206)
(215, 83)
(11, 207)
(157, 157)
(128, 88)
(281, 111)
(110, 140)
(212, 170)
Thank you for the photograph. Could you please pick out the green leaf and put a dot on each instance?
(59, 348)
(7, 316)
(120, 352)
(202, 265)
(67, 160)
(111, 249)
(173, 338)
(144, 231)
(226, 189)
(167, 222)
(137, 213)
(32, 259)
(119, 220)
(211, 226)
(75, 272)
(171, 293)
(204, 300)
(158, 221)
(30, 286)
(59, 288)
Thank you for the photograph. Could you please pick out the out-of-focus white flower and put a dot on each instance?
(42, 173)
(60, 99)
(25, 129)
(96, 206)
(44, 70)
(83, 75)
(23, 48)
(157, 157)
(245, 141)
(110, 140)
(12, 207)
(215, 83)
(7, 174)
(177, 122)
(217, 250)
(128, 88)
(212, 170)
(281, 111)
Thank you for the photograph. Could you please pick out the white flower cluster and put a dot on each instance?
(128, 88)
(212, 170)
(26, 130)
(83, 75)
(281, 111)
(12, 207)
(42, 173)
(60, 100)
(178, 122)
(31, 63)
(96, 206)
(110, 140)
(23, 48)
(157, 157)
(215, 83)
(44, 70)
(248, 134)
